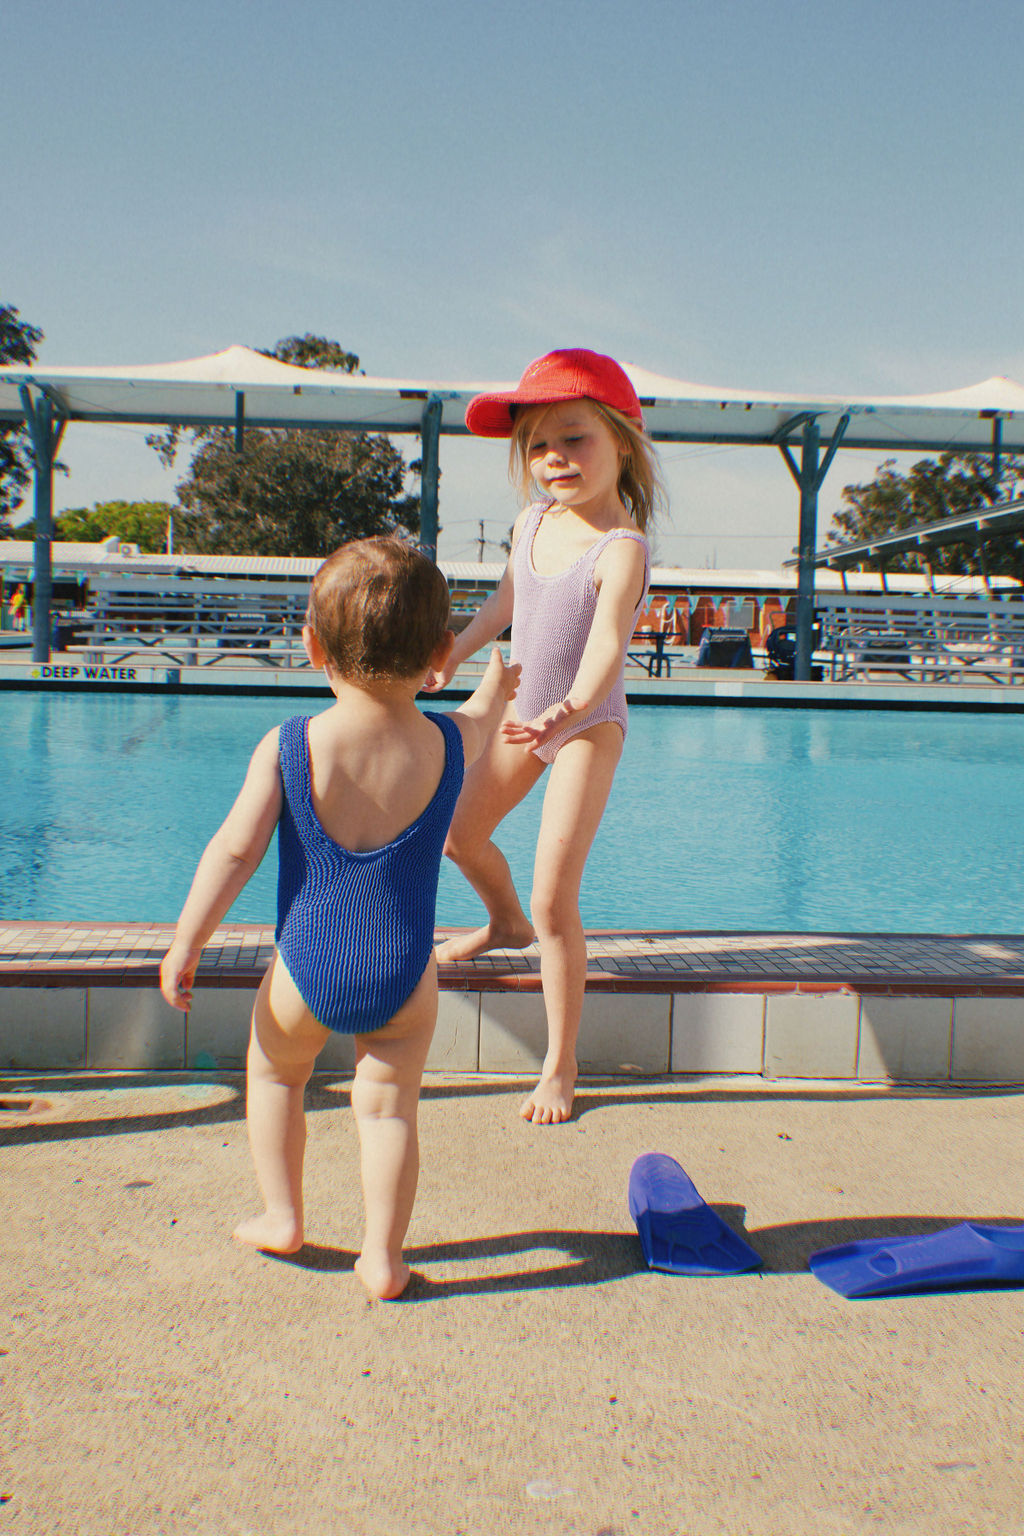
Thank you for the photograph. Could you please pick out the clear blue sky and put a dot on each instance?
(802, 196)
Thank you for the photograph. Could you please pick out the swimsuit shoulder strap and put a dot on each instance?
(629, 533)
(534, 514)
(293, 756)
(455, 757)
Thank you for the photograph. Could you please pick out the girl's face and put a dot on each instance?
(574, 456)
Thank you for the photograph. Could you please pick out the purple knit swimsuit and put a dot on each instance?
(551, 623)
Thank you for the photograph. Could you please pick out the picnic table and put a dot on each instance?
(653, 659)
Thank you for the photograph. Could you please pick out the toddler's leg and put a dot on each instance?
(385, 1100)
(283, 1047)
(577, 792)
(495, 783)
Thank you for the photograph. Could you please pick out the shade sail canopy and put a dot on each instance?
(206, 390)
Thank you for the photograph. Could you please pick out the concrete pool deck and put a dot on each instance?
(538, 1380)
(903, 1008)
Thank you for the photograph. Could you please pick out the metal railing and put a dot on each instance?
(947, 640)
(193, 623)
(206, 622)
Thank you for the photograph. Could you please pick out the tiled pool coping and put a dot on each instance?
(870, 1007)
(620, 960)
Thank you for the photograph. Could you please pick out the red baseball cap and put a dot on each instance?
(572, 373)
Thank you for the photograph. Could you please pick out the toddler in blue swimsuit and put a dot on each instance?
(361, 796)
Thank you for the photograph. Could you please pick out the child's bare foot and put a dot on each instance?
(272, 1234)
(551, 1101)
(383, 1277)
(466, 946)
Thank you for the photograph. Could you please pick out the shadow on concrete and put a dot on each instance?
(45, 1109)
(593, 1094)
(594, 1258)
(45, 1118)
(787, 1248)
(589, 1258)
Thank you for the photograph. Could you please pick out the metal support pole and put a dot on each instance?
(979, 546)
(808, 476)
(997, 456)
(40, 418)
(430, 474)
(808, 482)
(239, 421)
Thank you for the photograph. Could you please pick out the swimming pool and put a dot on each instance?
(795, 820)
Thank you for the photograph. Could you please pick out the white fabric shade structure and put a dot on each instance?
(239, 388)
(205, 390)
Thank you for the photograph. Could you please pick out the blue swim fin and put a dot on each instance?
(964, 1255)
(678, 1231)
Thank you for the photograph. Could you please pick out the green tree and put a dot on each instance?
(135, 522)
(290, 491)
(18, 343)
(314, 352)
(954, 485)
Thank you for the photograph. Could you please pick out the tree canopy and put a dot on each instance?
(953, 485)
(295, 491)
(18, 343)
(135, 522)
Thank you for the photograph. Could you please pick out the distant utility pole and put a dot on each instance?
(483, 541)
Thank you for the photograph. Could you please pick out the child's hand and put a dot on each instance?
(434, 681)
(534, 733)
(177, 973)
(504, 678)
(478, 718)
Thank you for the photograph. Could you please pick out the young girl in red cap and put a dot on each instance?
(572, 590)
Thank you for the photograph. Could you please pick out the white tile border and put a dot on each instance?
(718, 1032)
(132, 1029)
(43, 1028)
(831, 1035)
(905, 1039)
(811, 1034)
(988, 1040)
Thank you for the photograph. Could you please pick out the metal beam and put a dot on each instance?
(430, 473)
(961, 528)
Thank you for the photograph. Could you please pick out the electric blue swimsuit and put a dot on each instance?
(356, 930)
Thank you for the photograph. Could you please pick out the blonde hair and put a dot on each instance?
(640, 488)
(379, 607)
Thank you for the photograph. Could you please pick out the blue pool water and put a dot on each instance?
(720, 818)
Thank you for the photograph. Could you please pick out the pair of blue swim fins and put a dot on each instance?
(681, 1234)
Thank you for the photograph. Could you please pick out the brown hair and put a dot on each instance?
(379, 607)
(640, 488)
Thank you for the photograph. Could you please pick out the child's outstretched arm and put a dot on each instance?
(620, 574)
(491, 619)
(231, 857)
(481, 714)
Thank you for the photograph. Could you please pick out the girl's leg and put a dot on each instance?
(495, 783)
(574, 802)
(385, 1100)
(283, 1046)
